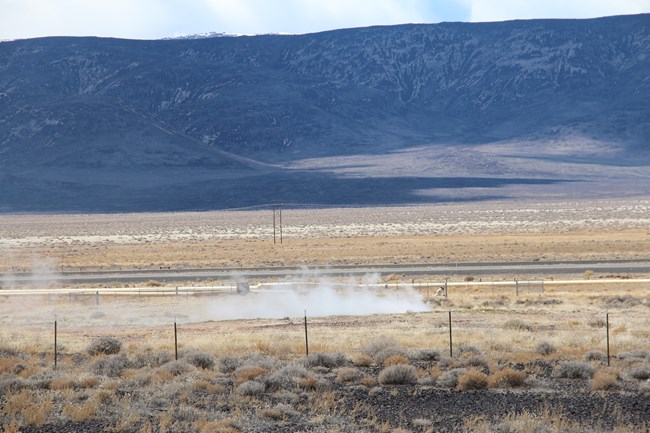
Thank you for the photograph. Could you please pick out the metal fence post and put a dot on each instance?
(516, 287)
(55, 345)
(451, 352)
(306, 336)
(607, 330)
(175, 342)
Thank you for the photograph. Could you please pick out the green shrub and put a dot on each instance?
(397, 375)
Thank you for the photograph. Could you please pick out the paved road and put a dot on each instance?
(448, 270)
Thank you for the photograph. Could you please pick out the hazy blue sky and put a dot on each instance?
(151, 19)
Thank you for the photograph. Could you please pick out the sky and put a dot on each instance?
(154, 19)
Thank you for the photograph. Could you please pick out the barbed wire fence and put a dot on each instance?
(505, 329)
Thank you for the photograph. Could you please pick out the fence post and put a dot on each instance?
(55, 346)
(446, 279)
(97, 297)
(175, 342)
(516, 288)
(451, 353)
(607, 330)
(306, 336)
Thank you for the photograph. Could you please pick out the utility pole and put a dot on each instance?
(277, 221)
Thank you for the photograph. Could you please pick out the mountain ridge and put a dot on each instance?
(569, 93)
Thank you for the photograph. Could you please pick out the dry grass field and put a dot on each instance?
(423, 234)
(532, 363)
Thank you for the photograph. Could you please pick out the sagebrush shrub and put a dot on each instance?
(177, 367)
(595, 355)
(426, 355)
(208, 386)
(449, 378)
(228, 364)
(397, 375)
(472, 350)
(635, 355)
(287, 377)
(11, 384)
(575, 370)
(279, 412)
(151, 358)
(104, 345)
(200, 359)
(382, 348)
(111, 366)
(381, 356)
(475, 361)
(327, 360)
(8, 352)
(251, 388)
(545, 348)
(640, 373)
(472, 380)
(517, 325)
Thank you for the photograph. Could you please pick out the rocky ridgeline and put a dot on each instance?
(231, 102)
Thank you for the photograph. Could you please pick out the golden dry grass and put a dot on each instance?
(445, 233)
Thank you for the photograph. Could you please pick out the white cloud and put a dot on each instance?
(29, 18)
(304, 16)
(501, 10)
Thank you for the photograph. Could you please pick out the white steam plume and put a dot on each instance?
(322, 298)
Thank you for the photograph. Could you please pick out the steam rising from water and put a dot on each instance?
(42, 270)
(317, 296)
(321, 298)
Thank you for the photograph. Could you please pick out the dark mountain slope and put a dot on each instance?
(574, 94)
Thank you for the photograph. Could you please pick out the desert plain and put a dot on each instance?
(559, 357)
